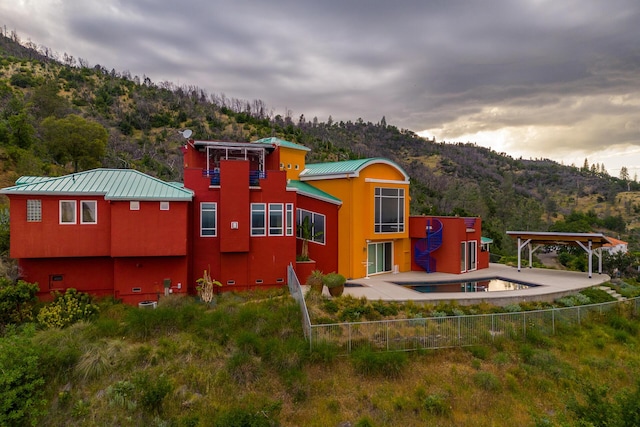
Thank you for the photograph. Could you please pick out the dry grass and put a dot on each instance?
(251, 359)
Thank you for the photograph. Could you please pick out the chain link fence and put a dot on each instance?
(450, 331)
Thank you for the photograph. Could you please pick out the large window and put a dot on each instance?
(89, 212)
(258, 219)
(389, 210)
(67, 211)
(34, 210)
(208, 219)
(316, 228)
(276, 217)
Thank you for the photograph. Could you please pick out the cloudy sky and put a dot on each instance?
(558, 79)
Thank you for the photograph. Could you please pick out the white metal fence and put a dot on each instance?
(450, 331)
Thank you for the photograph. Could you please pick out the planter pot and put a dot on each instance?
(336, 291)
(304, 269)
(148, 304)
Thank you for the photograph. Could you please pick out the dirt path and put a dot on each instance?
(550, 260)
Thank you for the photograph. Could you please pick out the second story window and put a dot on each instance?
(258, 219)
(67, 211)
(34, 210)
(208, 219)
(389, 210)
(276, 225)
(89, 213)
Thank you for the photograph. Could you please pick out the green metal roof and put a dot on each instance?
(311, 191)
(281, 143)
(113, 184)
(486, 240)
(351, 168)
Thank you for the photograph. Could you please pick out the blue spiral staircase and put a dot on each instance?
(425, 247)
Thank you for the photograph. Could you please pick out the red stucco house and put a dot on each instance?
(237, 215)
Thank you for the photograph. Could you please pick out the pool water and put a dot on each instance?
(483, 285)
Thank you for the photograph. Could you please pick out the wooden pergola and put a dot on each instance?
(590, 242)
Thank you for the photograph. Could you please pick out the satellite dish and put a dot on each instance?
(186, 133)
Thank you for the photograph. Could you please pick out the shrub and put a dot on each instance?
(333, 280)
(486, 381)
(371, 363)
(122, 394)
(152, 391)
(21, 380)
(437, 404)
(16, 301)
(252, 416)
(67, 309)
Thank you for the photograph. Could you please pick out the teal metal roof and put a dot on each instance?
(311, 191)
(350, 168)
(113, 184)
(486, 240)
(281, 143)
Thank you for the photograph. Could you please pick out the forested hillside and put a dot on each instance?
(127, 121)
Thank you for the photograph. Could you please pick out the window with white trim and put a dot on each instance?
(208, 220)
(134, 205)
(67, 212)
(276, 217)
(258, 219)
(34, 210)
(389, 210)
(290, 222)
(88, 212)
(317, 226)
(164, 206)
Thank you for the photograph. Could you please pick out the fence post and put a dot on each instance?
(349, 342)
(493, 327)
(386, 324)
(553, 321)
(524, 325)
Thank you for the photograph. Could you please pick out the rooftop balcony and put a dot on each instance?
(214, 177)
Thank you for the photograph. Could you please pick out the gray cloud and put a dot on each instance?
(565, 73)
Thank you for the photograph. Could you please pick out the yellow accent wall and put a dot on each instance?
(356, 217)
(293, 158)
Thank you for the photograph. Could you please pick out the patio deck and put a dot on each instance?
(552, 284)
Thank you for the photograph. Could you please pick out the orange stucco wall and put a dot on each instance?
(356, 217)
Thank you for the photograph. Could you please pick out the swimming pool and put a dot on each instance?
(495, 284)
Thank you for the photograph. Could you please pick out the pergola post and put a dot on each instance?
(519, 249)
(521, 245)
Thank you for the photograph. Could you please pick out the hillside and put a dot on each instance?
(244, 362)
(143, 118)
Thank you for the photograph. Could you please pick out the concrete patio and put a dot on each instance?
(552, 284)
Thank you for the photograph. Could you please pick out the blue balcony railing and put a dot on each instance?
(214, 177)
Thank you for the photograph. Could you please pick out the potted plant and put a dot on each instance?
(314, 281)
(335, 283)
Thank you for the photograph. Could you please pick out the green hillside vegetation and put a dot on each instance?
(243, 361)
